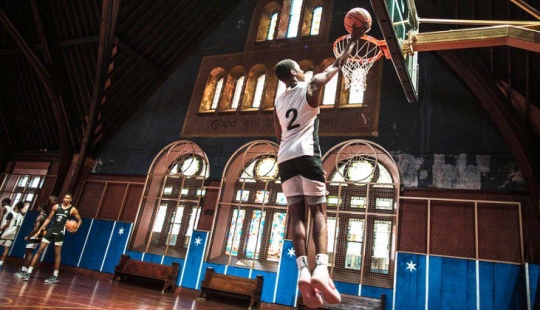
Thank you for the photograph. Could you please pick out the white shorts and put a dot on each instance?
(6, 242)
(33, 243)
(300, 186)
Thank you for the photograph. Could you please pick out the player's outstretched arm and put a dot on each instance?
(319, 80)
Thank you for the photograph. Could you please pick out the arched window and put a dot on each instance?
(316, 21)
(272, 28)
(212, 91)
(237, 92)
(280, 88)
(259, 88)
(363, 186)
(171, 204)
(252, 210)
(268, 22)
(294, 18)
(330, 90)
(253, 96)
(217, 94)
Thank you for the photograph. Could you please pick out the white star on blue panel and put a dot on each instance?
(291, 252)
(121, 231)
(411, 266)
(198, 241)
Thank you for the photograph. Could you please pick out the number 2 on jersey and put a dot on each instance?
(294, 115)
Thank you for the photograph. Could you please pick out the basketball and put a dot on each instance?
(71, 224)
(357, 18)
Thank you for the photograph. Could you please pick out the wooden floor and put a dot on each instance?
(76, 291)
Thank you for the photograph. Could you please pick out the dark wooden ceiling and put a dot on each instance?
(72, 72)
(67, 67)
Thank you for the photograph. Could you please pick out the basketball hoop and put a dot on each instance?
(365, 53)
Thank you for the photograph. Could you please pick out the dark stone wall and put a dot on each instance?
(446, 140)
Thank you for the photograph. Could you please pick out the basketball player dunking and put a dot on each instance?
(300, 169)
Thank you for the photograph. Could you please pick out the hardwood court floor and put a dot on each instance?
(75, 291)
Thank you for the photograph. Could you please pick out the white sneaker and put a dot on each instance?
(322, 282)
(310, 295)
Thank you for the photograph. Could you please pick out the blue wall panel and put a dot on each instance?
(152, 258)
(410, 281)
(452, 283)
(217, 268)
(117, 244)
(239, 272)
(135, 255)
(376, 292)
(534, 277)
(347, 288)
(269, 284)
(500, 286)
(191, 275)
(72, 249)
(286, 291)
(96, 244)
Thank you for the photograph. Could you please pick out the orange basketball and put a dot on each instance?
(357, 18)
(71, 224)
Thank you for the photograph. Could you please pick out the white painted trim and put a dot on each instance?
(528, 286)
(128, 237)
(277, 274)
(477, 263)
(108, 245)
(85, 241)
(202, 261)
(426, 305)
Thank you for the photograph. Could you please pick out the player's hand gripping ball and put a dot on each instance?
(357, 18)
(71, 225)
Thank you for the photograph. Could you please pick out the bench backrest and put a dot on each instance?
(233, 284)
(146, 269)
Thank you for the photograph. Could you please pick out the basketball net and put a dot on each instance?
(366, 51)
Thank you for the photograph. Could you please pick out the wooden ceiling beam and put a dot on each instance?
(109, 18)
(52, 92)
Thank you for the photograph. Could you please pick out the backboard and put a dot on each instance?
(397, 20)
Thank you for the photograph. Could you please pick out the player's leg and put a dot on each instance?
(27, 259)
(42, 246)
(321, 278)
(292, 188)
(4, 254)
(59, 239)
(314, 188)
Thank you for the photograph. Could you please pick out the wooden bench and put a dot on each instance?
(350, 302)
(146, 270)
(232, 286)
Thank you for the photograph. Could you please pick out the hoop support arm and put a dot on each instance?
(518, 37)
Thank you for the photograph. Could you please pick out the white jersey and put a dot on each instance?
(14, 224)
(299, 124)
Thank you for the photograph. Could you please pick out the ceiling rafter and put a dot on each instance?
(107, 33)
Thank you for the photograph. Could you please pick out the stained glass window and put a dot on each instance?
(381, 246)
(272, 27)
(217, 94)
(276, 236)
(355, 237)
(294, 18)
(316, 21)
(257, 98)
(235, 232)
(237, 92)
(330, 89)
(254, 238)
